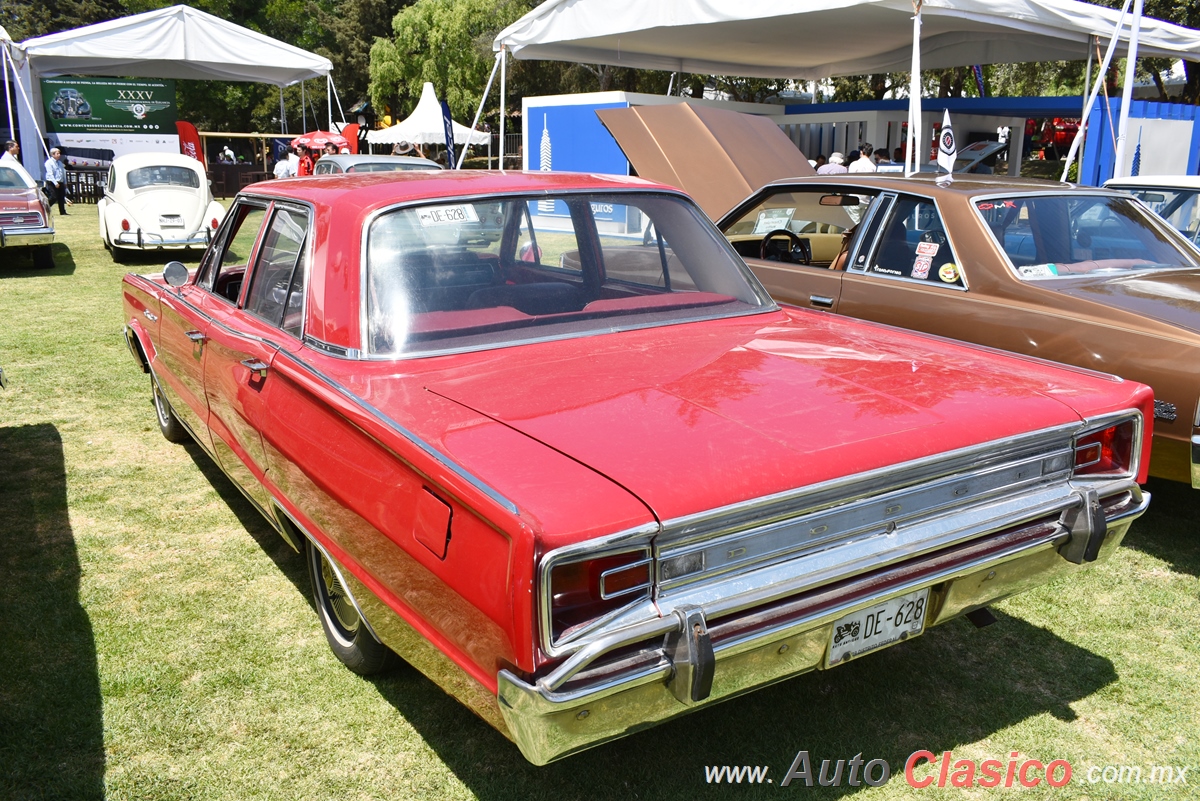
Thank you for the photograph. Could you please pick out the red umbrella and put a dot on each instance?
(318, 139)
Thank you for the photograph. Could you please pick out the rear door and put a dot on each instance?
(244, 339)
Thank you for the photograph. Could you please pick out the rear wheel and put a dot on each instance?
(348, 635)
(168, 423)
(43, 257)
(120, 255)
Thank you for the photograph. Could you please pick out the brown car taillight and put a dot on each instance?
(1108, 451)
(585, 590)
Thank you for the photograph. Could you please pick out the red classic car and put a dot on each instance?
(588, 479)
(25, 215)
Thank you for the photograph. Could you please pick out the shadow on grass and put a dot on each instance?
(288, 561)
(953, 685)
(19, 262)
(51, 717)
(1170, 528)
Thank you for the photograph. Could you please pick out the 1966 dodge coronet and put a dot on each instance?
(587, 480)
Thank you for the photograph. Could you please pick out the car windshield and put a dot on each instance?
(162, 175)
(1058, 236)
(481, 273)
(1179, 207)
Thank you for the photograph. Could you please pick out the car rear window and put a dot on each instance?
(472, 274)
(163, 175)
(1059, 236)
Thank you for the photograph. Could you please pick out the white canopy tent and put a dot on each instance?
(425, 126)
(176, 42)
(818, 39)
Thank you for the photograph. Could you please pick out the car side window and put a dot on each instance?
(277, 282)
(913, 244)
(225, 270)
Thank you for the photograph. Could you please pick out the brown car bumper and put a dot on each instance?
(25, 237)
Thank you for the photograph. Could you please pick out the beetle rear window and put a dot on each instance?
(163, 176)
(482, 273)
(1059, 236)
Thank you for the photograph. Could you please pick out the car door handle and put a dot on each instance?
(151, 316)
(256, 366)
(195, 336)
(821, 300)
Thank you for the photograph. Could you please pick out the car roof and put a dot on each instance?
(352, 159)
(372, 189)
(1160, 181)
(926, 183)
(133, 161)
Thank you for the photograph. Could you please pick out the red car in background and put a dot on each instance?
(588, 479)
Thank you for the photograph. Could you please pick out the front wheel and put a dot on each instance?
(168, 423)
(348, 635)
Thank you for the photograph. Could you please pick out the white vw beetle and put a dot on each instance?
(156, 201)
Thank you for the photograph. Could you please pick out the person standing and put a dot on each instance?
(285, 168)
(12, 151)
(305, 167)
(56, 180)
(863, 163)
(835, 166)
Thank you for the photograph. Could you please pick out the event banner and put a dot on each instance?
(109, 105)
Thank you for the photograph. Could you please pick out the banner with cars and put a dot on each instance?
(109, 105)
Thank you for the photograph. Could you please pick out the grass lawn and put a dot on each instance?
(156, 639)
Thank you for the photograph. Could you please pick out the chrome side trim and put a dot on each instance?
(412, 438)
(1195, 449)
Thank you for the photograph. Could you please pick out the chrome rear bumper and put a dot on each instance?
(657, 669)
(25, 237)
(145, 240)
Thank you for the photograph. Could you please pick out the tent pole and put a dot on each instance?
(911, 166)
(328, 101)
(337, 100)
(1091, 102)
(503, 89)
(7, 57)
(303, 110)
(282, 113)
(479, 111)
(1127, 90)
(28, 105)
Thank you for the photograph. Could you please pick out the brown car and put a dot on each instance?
(1089, 277)
(1083, 276)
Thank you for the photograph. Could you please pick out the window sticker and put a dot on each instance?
(446, 215)
(773, 219)
(927, 248)
(922, 266)
(948, 272)
(1038, 271)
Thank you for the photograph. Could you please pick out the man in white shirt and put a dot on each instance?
(836, 165)
(285, 167)
(864, 163)
(11, 151)
(56, 180)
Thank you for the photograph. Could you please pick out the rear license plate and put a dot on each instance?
(878, 626)
(170, 221)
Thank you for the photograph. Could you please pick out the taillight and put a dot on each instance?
(1108, 451)
(124, 225)
(214, 223)
(585, 590)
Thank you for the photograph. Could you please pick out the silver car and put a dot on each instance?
(349, 162)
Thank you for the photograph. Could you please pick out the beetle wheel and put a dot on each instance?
(348, 635)
(168, 423)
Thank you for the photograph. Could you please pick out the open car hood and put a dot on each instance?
(699, 416)
(718, 157)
